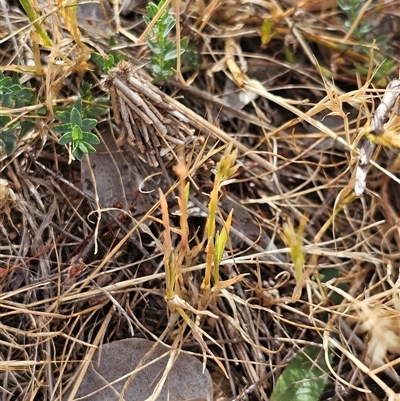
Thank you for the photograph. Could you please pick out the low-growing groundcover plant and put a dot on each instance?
(164, 49)
(106, 63)
(13, 95)
(302, 182)
(365, 32)
(78, 125)
(76, 131)
(16, 119)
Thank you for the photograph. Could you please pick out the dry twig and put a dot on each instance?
(145, 116)
(377, 128)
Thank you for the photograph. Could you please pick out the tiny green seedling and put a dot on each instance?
(95, 106)
(106, 63)
(76, 131)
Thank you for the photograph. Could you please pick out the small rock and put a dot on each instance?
(112, 361)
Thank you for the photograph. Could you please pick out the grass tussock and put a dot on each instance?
(238, 235)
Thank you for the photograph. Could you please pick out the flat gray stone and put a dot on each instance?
(118, 175)
(185, 381)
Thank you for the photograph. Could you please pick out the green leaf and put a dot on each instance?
(383, 40)
(109, 63)
(5, 82)
(63, 116)
(168, 23)
(106, 63)
(116, 58)
(166, 75)
(65, 139)
(184, 44)
(304, 378)
(155, 67)
(344, 5)
(15, 79)
(171, 55)
(7, 101)
(24, 96)
(77, 134)
(112, 41)
(85, 91)
(101, 109)
(88, 124)
(266, 29)
(8, 141)
(4, 120)
(26, 126)
(153, 47)
(147, 20)
(14, 89)
(191, 57)
(82, 146)
(78, 154)
(62, 128)
(91, 138)
(98, 60)
(2, 76)
(365, 28)
(42, 111)
(152, 9)
(89, 147)
(76, 118)
(78, 105)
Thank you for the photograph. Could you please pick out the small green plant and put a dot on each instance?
(182, 255)
(106, 63)
(352, 9)
(164, 60)
(13, 95)
(215, 240)
(75, 131)
(94, 106)
(305, 378)
(364, 34)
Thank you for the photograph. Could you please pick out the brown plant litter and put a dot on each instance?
(285, 85)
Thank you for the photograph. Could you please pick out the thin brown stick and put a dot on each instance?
(380, 117)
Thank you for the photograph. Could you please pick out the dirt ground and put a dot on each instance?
(267, 117)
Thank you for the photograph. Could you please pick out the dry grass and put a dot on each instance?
(321, 266)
